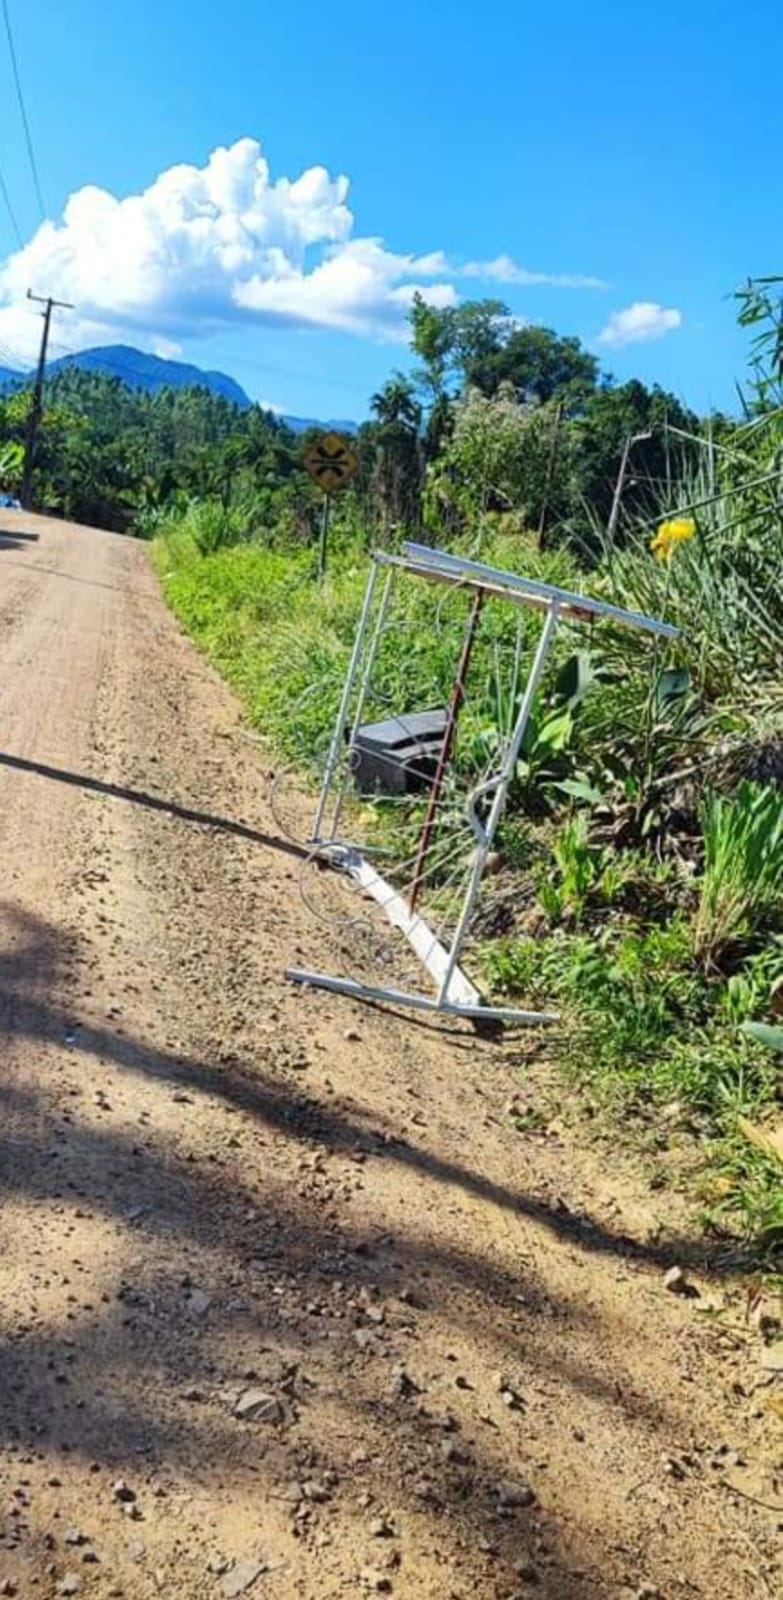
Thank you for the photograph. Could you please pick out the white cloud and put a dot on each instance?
(359, 287)
(204, 248)
(504, 270)
(637, 324)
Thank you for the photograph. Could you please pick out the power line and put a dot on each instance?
(23, 111)
(14, 360)
(9, 208)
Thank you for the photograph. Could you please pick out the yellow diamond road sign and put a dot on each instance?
(331, 462)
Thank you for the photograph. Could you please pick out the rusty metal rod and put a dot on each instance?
(455, 706)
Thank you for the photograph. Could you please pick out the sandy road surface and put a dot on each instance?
(463, 1375)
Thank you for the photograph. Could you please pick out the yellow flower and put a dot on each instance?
(678, 530)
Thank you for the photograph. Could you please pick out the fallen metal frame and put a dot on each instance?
(455, 994)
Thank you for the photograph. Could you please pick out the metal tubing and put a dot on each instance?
(477, 827)
(369, 662)
(431, 560)
(501, 791)
(342, 715)
(417, 1002)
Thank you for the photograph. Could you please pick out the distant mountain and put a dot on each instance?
(139, 370)
(302, 424)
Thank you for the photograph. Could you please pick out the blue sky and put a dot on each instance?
(638, 147)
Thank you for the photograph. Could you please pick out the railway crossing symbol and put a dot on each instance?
(331, 462)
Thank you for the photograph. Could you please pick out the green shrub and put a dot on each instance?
(641, 1022)
(742, 882)
(284, 641)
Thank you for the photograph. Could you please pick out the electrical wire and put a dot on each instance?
(23, 111)
(9, 208)
(12, 359)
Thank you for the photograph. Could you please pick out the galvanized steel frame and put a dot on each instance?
(455, 994)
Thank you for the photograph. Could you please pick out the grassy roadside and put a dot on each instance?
(654, 935)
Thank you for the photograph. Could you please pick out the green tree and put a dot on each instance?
(760, 303)
(451, 341)
(656, 421)
(396, 404)
(498, 461)
(480, 345)
(107, 451)
(397, 471)
(432, 338)
(539, 364)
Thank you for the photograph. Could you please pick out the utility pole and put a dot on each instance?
(614, 514)
(35, 409)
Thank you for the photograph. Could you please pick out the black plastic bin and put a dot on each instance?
(400, 755)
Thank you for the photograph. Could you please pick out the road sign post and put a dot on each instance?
(331, 464)
(324, 538)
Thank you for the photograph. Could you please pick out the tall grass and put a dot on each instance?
(284, 641)
(742, 882)
(723, 587)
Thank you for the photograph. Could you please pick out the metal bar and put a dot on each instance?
(726, 494)
(614, 514)
(501, 790)
(423, 555)
(572, 607)
(364, 684)
(342, 715)
(417, 1002)
(516, 597)
(457, 698)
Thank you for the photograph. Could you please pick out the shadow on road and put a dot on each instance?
(131, 1373)
(141, 797)
(9, 540)
(137, 1377)
(64, 577)
(281, 1106)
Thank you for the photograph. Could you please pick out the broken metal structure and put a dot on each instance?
(469, 823)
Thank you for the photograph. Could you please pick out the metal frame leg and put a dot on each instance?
(345, 701)
(364, 685)
(417, 1002)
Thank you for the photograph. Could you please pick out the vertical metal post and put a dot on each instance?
(364, 684)
(614, 514)
(501, 791)
(323, 539)
(335, 747)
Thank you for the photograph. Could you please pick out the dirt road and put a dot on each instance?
(288, 1307)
